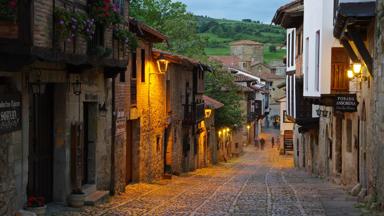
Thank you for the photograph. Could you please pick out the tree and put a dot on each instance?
(220, 85)
(172, 19)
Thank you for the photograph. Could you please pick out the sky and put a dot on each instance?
(261, 10)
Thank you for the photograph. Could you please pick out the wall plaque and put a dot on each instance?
(10, 113)
(346, 103)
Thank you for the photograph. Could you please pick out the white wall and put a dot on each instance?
(318, 15)
(284, 126)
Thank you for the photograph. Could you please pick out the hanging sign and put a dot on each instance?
(346, 103)
(10, 113)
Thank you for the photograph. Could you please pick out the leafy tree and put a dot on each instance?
(221, 86)
(172, 19)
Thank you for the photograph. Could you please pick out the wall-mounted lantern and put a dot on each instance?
(356, 72)
(76, 87)
(208, 113)
(162, 64)
(248, 127)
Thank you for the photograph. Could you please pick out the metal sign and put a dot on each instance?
(346, 103)
(10, 113)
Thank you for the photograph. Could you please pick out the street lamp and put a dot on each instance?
(357, 68)
(162, 64)
(350, 74)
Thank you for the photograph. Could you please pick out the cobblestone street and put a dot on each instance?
(258, 183)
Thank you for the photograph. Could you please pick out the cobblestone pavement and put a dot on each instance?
(259, 183)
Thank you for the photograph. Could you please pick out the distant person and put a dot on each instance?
(262, 142)
(273, 142)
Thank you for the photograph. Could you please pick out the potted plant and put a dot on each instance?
(36, 205)
(77, 198)
(70, 24)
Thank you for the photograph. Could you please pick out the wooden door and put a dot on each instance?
(89, 147)
(129, 146)
(40, 174)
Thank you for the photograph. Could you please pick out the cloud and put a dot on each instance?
(262, 10)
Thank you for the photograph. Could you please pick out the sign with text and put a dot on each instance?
(346, 103)
(10, 113)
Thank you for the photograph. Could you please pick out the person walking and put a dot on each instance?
(262, 142)
(273, 142)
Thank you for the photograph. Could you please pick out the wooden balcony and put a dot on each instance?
(34, 34)
(193, 114)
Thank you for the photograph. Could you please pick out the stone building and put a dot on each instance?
(186, 133)
(375, 131)
(249, 52)
(140, 114)
(339, 146)
(60, 94)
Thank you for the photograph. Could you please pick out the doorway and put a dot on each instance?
(132, 145)
(40, 174)
(89, 149)
(362, 133)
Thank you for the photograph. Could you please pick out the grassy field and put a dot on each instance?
(268, 56)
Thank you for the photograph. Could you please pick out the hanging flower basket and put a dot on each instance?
(106, 13)
(126, 37)
(70, 24)
(8, 9)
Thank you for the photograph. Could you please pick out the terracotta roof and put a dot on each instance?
(230, 61)
(179, 59)
(290, 15)
(269, 76)
(245, 42)
(145, 31)
(212, 103)
(243, 78)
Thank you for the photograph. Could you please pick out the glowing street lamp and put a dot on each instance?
(162, 64)
(357, 68)
(350, 74)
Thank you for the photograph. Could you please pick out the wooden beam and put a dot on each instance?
(349, 50)
(361, 48)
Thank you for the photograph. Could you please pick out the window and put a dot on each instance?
(133, 79)
(317, 63)
(306, 73)
(291, 34)
(142, 65)
(349, 135)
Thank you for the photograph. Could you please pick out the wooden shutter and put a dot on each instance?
(340, 65)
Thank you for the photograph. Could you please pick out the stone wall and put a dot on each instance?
(377, 133)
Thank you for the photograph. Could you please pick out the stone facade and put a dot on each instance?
(377, 104)
(249, 52)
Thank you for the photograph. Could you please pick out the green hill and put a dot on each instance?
(220, 32)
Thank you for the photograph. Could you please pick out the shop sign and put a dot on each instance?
(10, 113)
(346, 103)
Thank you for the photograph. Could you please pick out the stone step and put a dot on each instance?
(96, 198)
(89, 189)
